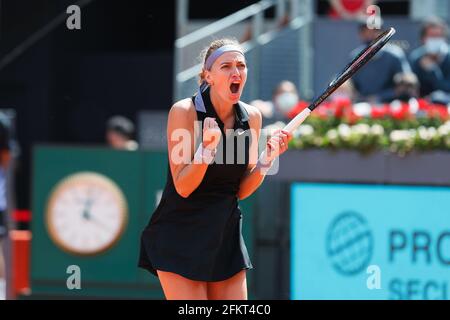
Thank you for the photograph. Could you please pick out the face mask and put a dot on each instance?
(286, 101)
(435, 45)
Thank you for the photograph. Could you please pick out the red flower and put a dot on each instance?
(297, 109)
(379, 112)
(351, 116)
(423, 104)
(324, 110)
(401, 112)
(437, 111)
(340, 106)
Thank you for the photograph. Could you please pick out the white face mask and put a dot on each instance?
(286, 101)
(435, 45)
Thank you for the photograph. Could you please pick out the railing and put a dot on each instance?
(300, 14)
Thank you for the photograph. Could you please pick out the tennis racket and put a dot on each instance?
(361, 59)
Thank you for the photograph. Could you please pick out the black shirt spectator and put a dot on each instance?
(375, 81)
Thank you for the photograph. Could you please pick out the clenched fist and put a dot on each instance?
(211, 133)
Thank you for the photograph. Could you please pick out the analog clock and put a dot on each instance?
(86, 213)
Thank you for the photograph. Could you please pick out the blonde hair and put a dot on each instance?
(214, 45)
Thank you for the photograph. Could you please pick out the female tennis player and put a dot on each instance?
(193, 241)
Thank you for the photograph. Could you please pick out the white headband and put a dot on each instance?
(220, 51)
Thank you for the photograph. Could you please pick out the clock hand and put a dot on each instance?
(98, 223)
(86, 210)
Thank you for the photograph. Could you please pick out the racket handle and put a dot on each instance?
(290, 127)
(294, 123)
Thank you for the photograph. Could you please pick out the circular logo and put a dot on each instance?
(349, 243)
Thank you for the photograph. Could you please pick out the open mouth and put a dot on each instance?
(234, 87)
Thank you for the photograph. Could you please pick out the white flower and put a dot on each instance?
(423, 133)
(377, 129)
(443, 130)
(395, 105)
(401, 135)
(269, 129)
(426, 133)
(362, 109)
(432, 132)
(413, 105)
(361, 128)
(304, 130)
(344, 130)
(332, 134)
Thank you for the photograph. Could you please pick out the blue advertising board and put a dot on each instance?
(370, 242)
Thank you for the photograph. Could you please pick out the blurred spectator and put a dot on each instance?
(5, 157)
(120, 132)
(431, 61)
(374, 82)
(406, 86)
(285, 104)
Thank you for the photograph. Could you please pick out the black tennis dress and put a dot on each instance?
(200, 237)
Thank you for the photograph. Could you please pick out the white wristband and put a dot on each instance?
(204, 155)
(263, 164)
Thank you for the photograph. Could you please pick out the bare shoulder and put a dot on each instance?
(183, 110)
(254, 115)
(184, 105)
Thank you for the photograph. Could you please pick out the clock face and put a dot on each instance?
(86, 213)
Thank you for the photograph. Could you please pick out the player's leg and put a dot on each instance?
(177, 287)
(234, 288)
